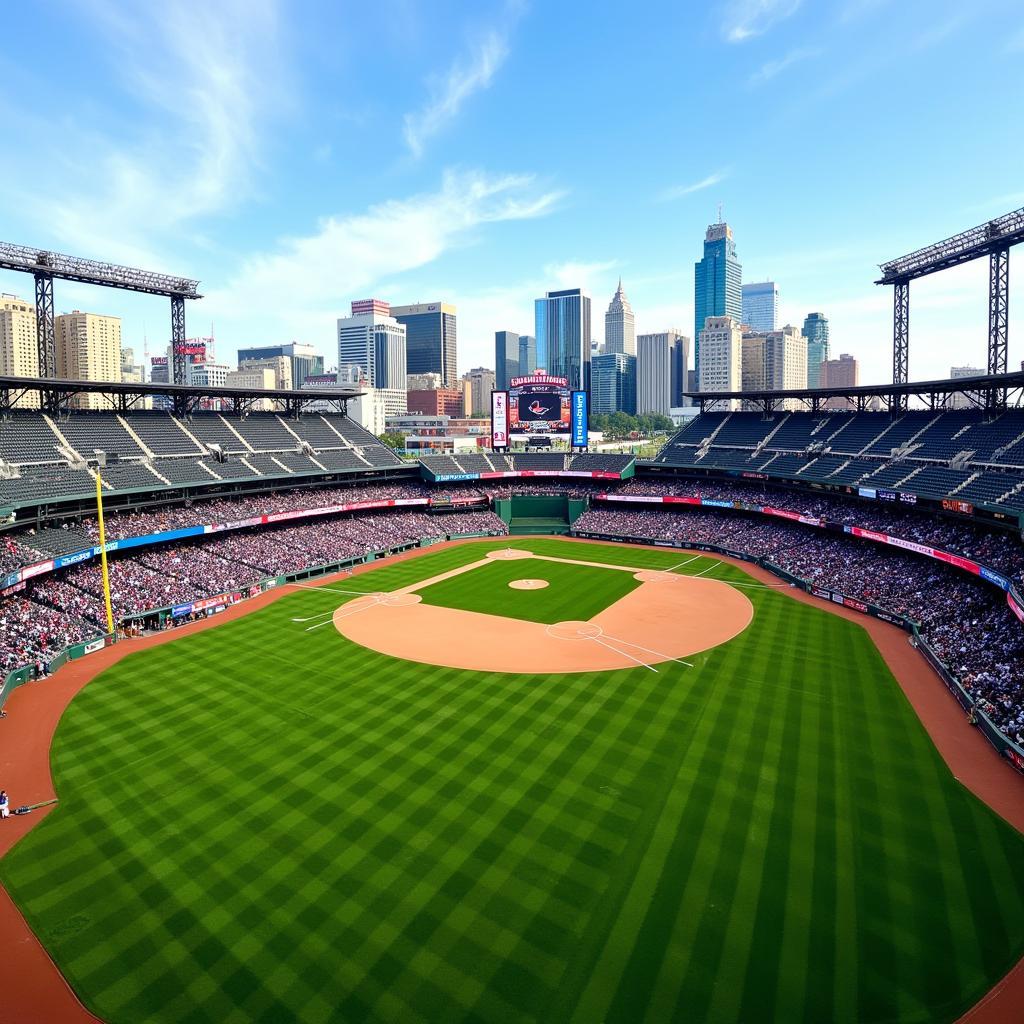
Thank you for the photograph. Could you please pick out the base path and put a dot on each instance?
(33, 991)
(667, 618)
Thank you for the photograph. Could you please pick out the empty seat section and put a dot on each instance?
(729, 458)
(593, 462)
(900, 431)
(797, 432)
(265, 432)
(125, 476)
(211, 429)
(161, 434)
(988, 488)
(39, 483)
(822, 467)
(473, 463)
(230, 470)
(936, 442)
(182, 471)
(88, 432)
(340, 459)
(889, 476)
(786, 465)
(746, 429)
(984, 438)
(441, 465)
(315, 430)
(854, 470)
(550, 461)
(852, 431)
(27, 438)
(936, 481)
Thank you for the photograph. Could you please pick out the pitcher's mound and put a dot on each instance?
(529, 584)
(510, 553)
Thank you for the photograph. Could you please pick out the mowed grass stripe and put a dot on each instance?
(326, 834)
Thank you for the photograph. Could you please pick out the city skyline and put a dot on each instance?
(249, 188)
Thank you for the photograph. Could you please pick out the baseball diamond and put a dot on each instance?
(286, 818)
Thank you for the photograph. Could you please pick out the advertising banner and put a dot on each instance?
(499, 419)
(181, 609)
(36, 570)
(1015, 607)
(93, 645)
(579, 419)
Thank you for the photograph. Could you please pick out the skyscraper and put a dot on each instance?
(760, 305)
(88, 348)
(563, 336)
(305, 360)
(843, 372)
(430, 339)
(721, 368)
(677, 345)
(775, 360)
(816, 333)
(619, 327)
(19, 351)
(506, 358)
(717, 283)
(375, 341)
(477, 386)
(613, 383)
(527, 354)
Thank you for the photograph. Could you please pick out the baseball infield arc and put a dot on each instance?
(652, 624)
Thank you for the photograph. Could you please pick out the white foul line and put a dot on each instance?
(681, 564)
(640, 647)
(708, 569)
(622, 654)
(335, 590)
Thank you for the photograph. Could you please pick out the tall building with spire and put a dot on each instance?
(717, 283)
(619, 327)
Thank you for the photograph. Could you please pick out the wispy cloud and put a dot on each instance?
(678, 191)
(468, 75)
(206, 76)
(767, 71)
(577, 274)
(349, 254)
(744, 19)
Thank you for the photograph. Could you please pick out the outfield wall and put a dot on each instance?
(1003, 745)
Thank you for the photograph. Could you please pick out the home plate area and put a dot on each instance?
(663, 617)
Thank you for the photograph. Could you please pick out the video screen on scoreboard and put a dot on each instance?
(539, 406)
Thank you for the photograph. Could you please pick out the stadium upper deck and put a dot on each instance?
(967, 455)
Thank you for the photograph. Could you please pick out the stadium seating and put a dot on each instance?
(26, 438)
(857, 449)
(88, 432)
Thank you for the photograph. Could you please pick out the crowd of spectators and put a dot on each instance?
(998, 549)
(66, 607)
(965, 621)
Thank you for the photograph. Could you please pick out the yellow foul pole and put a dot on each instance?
(103, 551)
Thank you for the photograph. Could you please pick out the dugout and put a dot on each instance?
(539, 514)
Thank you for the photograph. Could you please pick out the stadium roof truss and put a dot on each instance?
(932, 394)
(46, 266)
(994, 239)
(55, 395)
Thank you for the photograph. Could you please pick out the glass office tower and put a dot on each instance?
(430, 339)
(816, 333)
(563, 336)
(717, 283)
(506, 358)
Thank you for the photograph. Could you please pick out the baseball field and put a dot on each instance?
(321, 811)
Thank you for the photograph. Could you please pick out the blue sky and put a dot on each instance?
(297, 154)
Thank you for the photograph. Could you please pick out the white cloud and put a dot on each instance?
(744, 19)
(767, 71)
(678, 191)
(312, 278)
(466, 76)
(576, 274)
(206, 77)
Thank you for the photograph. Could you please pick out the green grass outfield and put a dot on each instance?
(266, 823)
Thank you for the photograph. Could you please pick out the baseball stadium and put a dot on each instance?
(297, 731)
